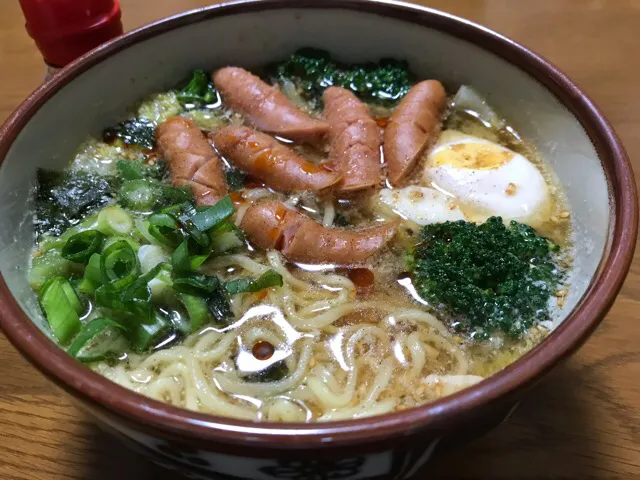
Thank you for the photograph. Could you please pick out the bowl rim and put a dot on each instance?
(100, 392)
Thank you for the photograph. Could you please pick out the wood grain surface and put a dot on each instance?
(583, 422)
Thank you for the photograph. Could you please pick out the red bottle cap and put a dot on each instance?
(65, 29)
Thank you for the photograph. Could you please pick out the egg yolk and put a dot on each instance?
(476, 156)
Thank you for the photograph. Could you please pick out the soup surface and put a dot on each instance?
(321, 242)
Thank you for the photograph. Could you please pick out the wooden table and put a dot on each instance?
(583, 422)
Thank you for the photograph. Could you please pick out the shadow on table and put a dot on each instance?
(546, 438)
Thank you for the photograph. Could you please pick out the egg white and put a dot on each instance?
(493, 181)
(420, 205)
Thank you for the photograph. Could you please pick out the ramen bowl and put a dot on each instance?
(539, 102)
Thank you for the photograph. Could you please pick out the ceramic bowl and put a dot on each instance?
(537, 100)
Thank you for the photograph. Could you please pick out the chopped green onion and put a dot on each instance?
(61, 307)
(196, 284)
(51, 264)
(89, 332)
(226, 237)
(173, 209)
(180, 259)
(165, 229)
(180, 322)
(197, 260)
(151, 255)
(162, 287)
(92, 278)
(141, 195)
(48, 241)
(130, 305)
(197, 309)
(268, 279)
(118, 265)
(137, 170)
(209, 217)
(146, 335)
(199, 236)
(132, 243)
(141, 282)
(72, 296)
(81, 246)
(114, 220)
(129, 170)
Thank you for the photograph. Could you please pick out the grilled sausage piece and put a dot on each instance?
(355, 139)
(271, 162)
(272, 225)
(191, 159)
(266, 107)
(413, 126)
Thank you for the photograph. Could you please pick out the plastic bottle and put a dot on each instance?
(63, 30)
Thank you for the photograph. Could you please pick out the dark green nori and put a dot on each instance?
(135, 131)
(63, 199)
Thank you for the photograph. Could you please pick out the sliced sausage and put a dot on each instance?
(355, 139)
(271, 162)
(272, 225)
(263, 222)
(191, 159)
(266, 107)
(413, 126)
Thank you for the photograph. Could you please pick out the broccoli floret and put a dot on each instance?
(488, 277)
(198, 92)
(312, 71)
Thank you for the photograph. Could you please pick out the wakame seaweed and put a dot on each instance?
(63, 199)
(274, 372)
(235, 179)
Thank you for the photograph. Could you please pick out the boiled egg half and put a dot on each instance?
(487, 179)
(420, 205)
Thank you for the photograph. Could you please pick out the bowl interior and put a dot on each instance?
(101, 95)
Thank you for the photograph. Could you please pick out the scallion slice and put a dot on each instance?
(61, 307)
(89, 332)
(165, 229)
(201, 285)
(197, 310)
(208, 217)
(268, 279)
(146, 335)
(180, 259)
(81, 246)
(140, 195)
(119, 265)
(114, 220)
